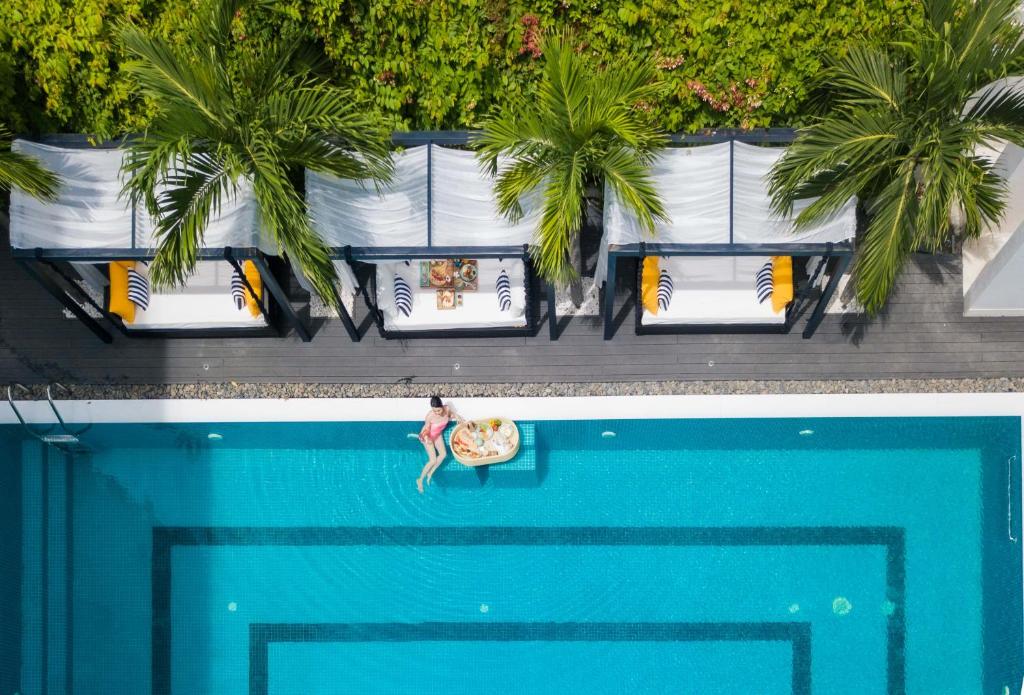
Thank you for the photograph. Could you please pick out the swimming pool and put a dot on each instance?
(829, 555)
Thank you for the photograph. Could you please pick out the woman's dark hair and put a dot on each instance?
(435, 402)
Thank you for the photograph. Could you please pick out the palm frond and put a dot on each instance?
(18, 170)
(560, 221)
(191, 195)
(193, 89)
(583, 127)
(886, 244)
(632, 182)
(283, 216)
(869, 77)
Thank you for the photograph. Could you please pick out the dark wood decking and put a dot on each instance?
(922, 335)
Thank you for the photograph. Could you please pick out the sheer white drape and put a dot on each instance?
(90, 212)
(462, 205)
(694, 185)
(753, 221)
(465, 212)
(354, 213)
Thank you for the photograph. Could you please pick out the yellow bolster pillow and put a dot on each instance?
(119, 302)
(253, 276)
(782, 282)
(649, 284)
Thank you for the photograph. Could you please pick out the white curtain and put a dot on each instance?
(88, 213)
(464, 209)
(753, 220)
(462, 205)
(694, 186)
(354, 213)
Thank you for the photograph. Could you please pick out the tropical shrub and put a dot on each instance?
(581, 128)
(445, 64)
(907, 121)
(217, 131)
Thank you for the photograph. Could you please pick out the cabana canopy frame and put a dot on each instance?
(91, 223)
(720, 208)
(439, 205)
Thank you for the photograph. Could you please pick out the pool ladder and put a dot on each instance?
(1009, 506)
(67, 438)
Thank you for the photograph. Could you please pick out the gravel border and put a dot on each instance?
(240, 390)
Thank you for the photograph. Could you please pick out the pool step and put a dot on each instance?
(522, 470)
(519, 472)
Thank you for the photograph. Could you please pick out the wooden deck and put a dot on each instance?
(922, 335)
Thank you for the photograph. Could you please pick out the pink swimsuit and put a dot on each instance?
(436, 430)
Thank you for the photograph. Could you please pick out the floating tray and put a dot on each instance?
(469, 454)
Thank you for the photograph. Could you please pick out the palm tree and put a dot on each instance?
(907, 121)
(585, 125)
(20, 170)
(231, 118)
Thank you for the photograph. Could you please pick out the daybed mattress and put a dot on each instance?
(480, 309)
(204, 303)
(718, 290)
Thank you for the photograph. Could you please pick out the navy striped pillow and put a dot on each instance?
(764, 283)
(403, 295)
(665, 289)
(238, 290)
(138, 289)
(504, 288)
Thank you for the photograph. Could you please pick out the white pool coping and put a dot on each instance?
(544, 408)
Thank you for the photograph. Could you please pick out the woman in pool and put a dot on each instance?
(433, 441)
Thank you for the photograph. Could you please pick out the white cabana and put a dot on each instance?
(91, 224)
(719, 218)
(993, 264)
(439, 205)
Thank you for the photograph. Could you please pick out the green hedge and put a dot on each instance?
(432, 64)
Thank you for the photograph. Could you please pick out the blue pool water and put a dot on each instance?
(697, 557)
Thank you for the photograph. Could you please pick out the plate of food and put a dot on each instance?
(440, 273)
(466, 274)
(446, 299)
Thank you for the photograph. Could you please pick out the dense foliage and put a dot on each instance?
(429, 64)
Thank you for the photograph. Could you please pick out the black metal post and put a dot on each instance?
(732, 185)
(346, 318)
(84, 296)
(609, 297)
(274, 287)
(430, 190)
(826, 296)
(71, 305)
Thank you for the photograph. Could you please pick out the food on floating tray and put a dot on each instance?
(496, 441)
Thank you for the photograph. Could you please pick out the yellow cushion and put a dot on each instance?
(782, 281)
(649, 284)
(119, 302)
(253, 276)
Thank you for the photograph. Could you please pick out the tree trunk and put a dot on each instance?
(576, 258)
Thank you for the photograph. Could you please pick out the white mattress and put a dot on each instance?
(480, 309)
(714, 290)
(205, 302)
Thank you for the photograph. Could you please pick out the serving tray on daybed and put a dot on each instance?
(466, 434)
